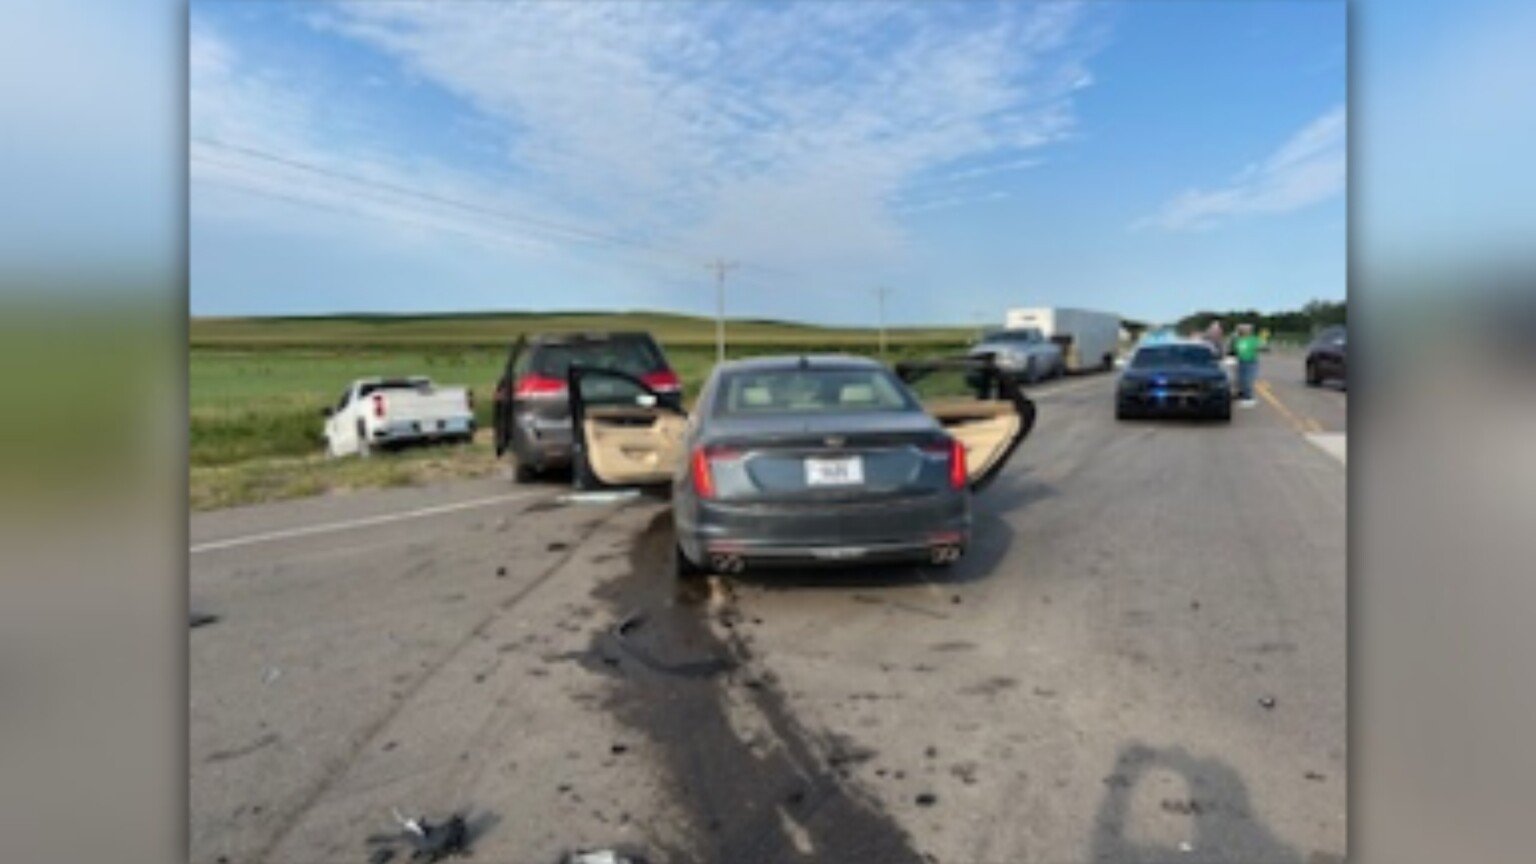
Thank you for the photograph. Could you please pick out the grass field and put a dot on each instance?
(257, 386)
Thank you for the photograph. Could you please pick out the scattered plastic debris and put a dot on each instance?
(501, 572)
(272, 674)
(203, 619)
(557, 546)
(629, 622)
(602, 856)
(605, 497)
(1186, 846)
(927, 799)
(1267, 702)
(427, 841)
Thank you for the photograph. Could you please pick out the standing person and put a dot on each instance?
(1246, 346)
(1217, 337)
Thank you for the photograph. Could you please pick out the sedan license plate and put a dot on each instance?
(847, 471)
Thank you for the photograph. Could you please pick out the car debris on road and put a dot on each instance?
(426, 840)
(602, 856)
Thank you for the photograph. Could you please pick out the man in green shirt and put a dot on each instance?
(1246, 346)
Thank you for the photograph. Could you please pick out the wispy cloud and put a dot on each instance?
(1305, 170)
(783, 132)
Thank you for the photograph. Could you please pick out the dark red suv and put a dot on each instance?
(531, 412)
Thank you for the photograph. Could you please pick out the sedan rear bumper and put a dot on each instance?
(825, 533)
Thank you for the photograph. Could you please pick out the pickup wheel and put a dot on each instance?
(522, 472)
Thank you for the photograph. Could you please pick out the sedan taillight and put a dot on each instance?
(703, 478)
(958, 473)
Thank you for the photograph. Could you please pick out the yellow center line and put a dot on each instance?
(1301, 426)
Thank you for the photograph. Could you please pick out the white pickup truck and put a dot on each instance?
(384, 412)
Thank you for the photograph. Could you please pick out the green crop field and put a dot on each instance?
(257, 385)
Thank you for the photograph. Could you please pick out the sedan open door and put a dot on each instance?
(978, 403)
(623, 432)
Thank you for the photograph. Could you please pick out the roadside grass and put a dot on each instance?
(281, 478)
(257, 387)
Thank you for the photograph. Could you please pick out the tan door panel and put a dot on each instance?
(984, 428)
(634, 446)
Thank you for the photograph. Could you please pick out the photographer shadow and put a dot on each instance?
(1223, 827)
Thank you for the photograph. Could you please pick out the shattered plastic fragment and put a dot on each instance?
(598, 497)
(601, 856)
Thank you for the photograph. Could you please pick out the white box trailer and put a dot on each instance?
(1089, 340)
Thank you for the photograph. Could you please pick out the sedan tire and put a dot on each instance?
(1314, 379)
(683, 566)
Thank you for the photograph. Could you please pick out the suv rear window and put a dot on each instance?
(820, 391)
(632, 356)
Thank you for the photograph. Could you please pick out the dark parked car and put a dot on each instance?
(531, 410)
(1327, 357)
(1174, 378)
(823, 459)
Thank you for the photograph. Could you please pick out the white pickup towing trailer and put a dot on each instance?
(385, 412)
(1089, 340)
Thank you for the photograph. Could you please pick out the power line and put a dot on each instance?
(458, 203)
(680, 258)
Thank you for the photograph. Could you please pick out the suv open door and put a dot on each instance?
(978, 403)
(623, 432)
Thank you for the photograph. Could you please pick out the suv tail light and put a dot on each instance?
(536, 386)
(378, 406)
(662, 381)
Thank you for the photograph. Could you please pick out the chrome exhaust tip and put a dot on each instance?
(726, 563)
(946, 554)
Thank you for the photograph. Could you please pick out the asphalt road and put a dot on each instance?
(1143, 659)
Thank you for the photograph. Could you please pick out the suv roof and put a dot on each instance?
(571, 338)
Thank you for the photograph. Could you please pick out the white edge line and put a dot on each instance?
(349, 524)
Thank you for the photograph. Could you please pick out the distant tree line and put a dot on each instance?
(1305, 321)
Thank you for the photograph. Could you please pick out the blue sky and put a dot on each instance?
(1145, 157)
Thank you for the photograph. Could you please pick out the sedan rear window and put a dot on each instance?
(818, 391)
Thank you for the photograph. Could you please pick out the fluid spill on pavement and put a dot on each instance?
(672, 677)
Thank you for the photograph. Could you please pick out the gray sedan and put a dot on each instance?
(806, 459)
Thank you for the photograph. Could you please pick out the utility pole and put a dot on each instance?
(721, 267)
(880, 296)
